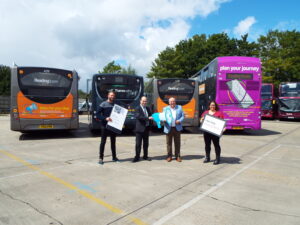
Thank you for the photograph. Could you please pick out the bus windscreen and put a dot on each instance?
(182, 90)
(290, 90)
(266, 92)
(46, 87)
(126, 88)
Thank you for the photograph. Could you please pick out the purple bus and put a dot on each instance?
(235, 83)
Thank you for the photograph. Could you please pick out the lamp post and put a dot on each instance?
(87, 86)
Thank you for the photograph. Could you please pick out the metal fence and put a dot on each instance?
(4, 104)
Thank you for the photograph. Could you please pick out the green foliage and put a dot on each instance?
(129, 70)
(280, 55)
(4, 80)
(278, 50)
(82, 94)
(111, 68)
(189, 56)
(117, 69)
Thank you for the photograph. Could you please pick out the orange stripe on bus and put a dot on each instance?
(32, 110)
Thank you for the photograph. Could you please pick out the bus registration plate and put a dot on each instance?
(238, 128)
(46, 126)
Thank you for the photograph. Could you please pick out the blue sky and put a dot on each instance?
(87, 35)
(269, 15)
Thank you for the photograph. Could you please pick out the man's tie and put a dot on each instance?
(146, 114)
(145, 111)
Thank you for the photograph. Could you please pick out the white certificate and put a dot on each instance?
(213, 125)
(118, 116)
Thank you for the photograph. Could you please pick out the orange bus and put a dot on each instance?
(43, 99)
(185, 91)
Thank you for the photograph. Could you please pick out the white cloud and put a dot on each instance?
(244, 26)
(86, 35)
(288, 25)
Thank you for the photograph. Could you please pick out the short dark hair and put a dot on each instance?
(111, 92)
(217, 106)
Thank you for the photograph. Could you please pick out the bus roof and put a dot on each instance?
(114, 74)
(238, 58)
(41, 67)
(291, 82)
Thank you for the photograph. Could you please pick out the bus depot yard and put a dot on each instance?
(54, 178)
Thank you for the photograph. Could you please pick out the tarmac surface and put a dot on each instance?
(54, 178)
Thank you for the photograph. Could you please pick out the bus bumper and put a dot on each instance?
(285, 115)
(267, 114)
(44, 124)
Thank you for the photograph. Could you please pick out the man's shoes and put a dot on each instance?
(206, 160)
(147, 158)
(101, 161)
(178, 159)
(169, 159)
(217, 161)
(135, 160)
(116, 160)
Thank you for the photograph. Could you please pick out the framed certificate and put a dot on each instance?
(213, 125)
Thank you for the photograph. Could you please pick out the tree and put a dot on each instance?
(4, 80)
(82, 94)
(244, 48)
(280, 55)
(111, 68)
(115, 68)
(163, 66)
(129, 70)
(189, 56)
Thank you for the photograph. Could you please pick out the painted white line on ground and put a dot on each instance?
(212, 189)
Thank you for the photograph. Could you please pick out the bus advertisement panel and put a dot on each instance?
(43, 98)
(268, 101)
(185, 92)
(235, 83)
(128, 88)
(289, 100)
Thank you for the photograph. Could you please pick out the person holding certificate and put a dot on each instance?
(174, 116)
(213, 111)
(142, 128)
(103, 114)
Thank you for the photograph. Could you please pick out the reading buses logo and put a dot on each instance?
(31, 108)
(45, 81)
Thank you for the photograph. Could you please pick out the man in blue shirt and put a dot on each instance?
(173, 127)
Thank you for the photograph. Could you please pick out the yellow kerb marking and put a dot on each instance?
(72, 187)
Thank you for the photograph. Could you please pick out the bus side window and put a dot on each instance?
(205, 73)
(211, 71)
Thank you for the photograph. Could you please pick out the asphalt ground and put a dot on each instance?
(54, 178)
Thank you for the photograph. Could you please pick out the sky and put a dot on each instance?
(86, 35)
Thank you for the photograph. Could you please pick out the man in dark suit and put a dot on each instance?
(142, 127)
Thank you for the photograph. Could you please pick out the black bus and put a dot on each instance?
(128, 88)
